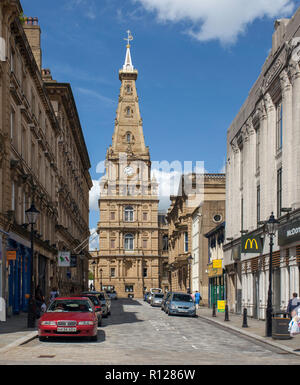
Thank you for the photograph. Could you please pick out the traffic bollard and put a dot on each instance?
(226, 313)
(245, 325)
(214, 310)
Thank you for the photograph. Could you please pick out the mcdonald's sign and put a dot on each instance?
(251, 244)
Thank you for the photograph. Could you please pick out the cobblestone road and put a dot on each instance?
(137, 334)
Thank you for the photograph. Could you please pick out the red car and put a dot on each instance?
(69, 317)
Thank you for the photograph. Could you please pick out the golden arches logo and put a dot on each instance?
(251, 241)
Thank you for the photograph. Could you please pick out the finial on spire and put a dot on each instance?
(129, 38)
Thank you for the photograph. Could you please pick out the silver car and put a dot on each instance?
(156, 299)
(180, 304)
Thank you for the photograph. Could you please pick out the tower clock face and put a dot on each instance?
(128, 171)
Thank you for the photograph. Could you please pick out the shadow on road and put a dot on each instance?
(118, 313)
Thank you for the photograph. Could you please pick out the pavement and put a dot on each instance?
(14, 331)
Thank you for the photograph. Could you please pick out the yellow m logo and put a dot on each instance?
(251, 241)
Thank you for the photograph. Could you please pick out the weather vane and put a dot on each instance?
(129, 38)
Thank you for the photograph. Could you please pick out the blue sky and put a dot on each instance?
(197, 61)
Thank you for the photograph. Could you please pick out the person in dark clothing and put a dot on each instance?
(39, 300)
(293, 303)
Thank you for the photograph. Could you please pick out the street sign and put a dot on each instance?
(11, 255)
(217, 264)
(251, 244)
(221, 306)
(64, 259)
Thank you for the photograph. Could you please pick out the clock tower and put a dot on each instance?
(130, 258)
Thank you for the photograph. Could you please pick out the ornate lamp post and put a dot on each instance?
(101, 279)
(271, 227)
(31, 215)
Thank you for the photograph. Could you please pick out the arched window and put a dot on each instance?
(128, 137)
(128, 111)
(128, 214)
(128, 243)
(165, 243)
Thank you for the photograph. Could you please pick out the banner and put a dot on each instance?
(64, 259)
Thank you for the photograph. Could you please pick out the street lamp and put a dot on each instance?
(189, 259)
(271, 227)
(31, 214)
(101, 279)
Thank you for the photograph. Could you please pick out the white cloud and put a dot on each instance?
(95, 195)
(94, 240)
(222, 20)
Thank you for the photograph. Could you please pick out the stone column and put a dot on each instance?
(268, 162)
(295, 71)
(287, 139)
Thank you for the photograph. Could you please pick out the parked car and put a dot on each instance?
(69, 317)
(180, 304)
(112, 294)
(104, 300)
(97, 305)
(156, 299)
(163, 302)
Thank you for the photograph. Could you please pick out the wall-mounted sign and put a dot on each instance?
(73, 262)
(217, 264)
(11, 255)
(64, 259)
(250, 244)
(288, 233)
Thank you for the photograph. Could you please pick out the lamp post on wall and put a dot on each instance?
(31, 214)
(271, 227)
(101, 271)
(190, 258)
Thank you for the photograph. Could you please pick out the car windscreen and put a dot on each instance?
(101, 297)
(158, 296)
(182, 298)
(70, 305)
(94, 300)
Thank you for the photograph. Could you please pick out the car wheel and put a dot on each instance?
(94, 338)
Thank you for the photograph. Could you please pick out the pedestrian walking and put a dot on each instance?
(53, 294)
(293, 304)
(197, 299)
(39, 300)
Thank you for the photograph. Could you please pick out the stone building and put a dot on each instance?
(263, 176)
(130, 256)
(37, 129)
(193, 212)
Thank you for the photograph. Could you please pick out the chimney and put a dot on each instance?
(33, 33)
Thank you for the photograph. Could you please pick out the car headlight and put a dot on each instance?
(85, 323)
(192, 308)
(48, 323)
(173, 306)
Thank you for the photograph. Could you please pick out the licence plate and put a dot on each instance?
(72, 330)
(182, 310)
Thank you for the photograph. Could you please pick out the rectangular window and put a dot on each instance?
(279, 192)
(279, 125)
(257, 148)
(144, 243)
(112, 272)
(145, 272)
(13, 196)
(258, 204)
(112, 243)
(186, 242)
(12, 124)
(112, 215)
(242, 214)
